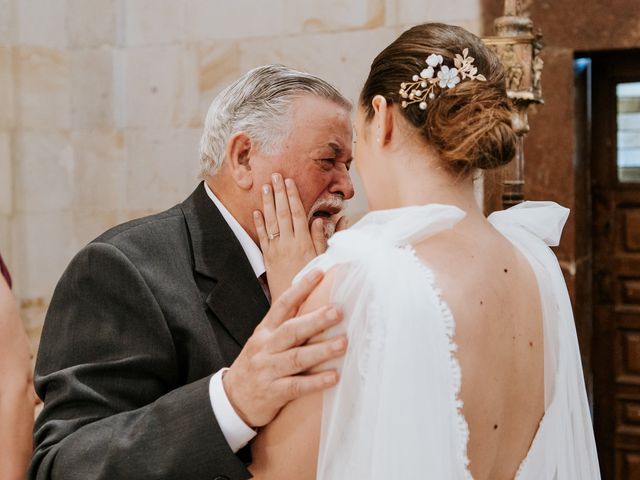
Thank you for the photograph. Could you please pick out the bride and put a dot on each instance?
(463, 359)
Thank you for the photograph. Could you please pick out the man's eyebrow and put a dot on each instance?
(337, 149)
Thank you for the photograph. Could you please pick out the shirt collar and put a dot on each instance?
(251, 250)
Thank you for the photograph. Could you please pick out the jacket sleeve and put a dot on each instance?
(108, 373)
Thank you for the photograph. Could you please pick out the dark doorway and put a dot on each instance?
(614, 176)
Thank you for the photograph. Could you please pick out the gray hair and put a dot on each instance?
(256, 104)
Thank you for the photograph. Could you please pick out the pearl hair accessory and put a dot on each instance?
(436, 77)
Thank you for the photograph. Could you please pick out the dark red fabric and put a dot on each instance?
(5, 271)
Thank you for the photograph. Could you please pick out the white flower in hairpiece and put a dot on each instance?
(427, 72)
(448, 77)
(436, 77)
(434, 60)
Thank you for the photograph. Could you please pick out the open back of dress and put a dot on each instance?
(396, 412)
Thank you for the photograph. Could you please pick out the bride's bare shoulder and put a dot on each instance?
(287, 448)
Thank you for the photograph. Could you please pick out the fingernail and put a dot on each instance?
(256, 214)
(330, 379)
(265, 189)
(276, 178)
(288, 182)
(338, 345)
(314, 275)
(332, 313)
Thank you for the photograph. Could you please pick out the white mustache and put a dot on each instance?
(328, 203)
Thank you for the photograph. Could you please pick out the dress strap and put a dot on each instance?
(545, 220)
(403, 226)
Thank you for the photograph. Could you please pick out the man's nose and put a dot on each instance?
(342, 184)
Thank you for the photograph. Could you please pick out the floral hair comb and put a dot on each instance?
(436, 77)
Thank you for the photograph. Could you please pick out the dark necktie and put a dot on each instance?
(264, 283)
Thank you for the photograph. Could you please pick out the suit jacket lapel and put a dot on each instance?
(237, 299)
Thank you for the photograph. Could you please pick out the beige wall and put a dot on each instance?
(102, 102)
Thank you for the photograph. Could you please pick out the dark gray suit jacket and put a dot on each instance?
(140, 320)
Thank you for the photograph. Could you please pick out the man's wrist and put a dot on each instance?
(235, 430)
(230, 397)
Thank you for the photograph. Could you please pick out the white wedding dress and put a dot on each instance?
(401, 355)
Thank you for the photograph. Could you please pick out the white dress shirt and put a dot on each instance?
(235, 431)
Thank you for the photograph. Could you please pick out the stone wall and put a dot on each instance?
(102, 103)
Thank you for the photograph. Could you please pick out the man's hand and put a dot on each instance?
(268, 373)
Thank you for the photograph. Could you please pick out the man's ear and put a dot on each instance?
(239, 150)
(382, 120)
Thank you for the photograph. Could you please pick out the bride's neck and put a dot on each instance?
(421, 179)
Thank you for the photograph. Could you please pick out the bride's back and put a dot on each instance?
(494, 298)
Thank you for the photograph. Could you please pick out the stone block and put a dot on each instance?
(159, 88)
(5, 240)
(92, 88)
(7, 22)
(390, 13)
(41, 249)
(42, 88)
(474, 25)
(218, 66)
(100, 170)
(411, 12)
(217, 20)
(89, 224)
(43, 172)
(150, 22)
(333, 15)
(42, 23)
(7, 92)
(342, 58)
(162, 167)
(132, 214)
(94, 23)
(6, 174)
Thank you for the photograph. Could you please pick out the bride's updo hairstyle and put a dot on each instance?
(469, 125)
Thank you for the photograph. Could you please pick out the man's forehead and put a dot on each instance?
(320, 123)
(320, 112)
(336, 137)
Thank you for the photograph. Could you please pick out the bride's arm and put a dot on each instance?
(287, 448)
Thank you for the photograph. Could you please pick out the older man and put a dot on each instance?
(145, 319)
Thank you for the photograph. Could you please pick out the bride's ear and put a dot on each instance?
(382, 120)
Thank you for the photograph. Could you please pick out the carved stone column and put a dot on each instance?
(519, 49)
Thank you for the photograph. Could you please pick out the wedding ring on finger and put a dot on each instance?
(274, 235)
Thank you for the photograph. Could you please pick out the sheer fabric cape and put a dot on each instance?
(396, 411)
